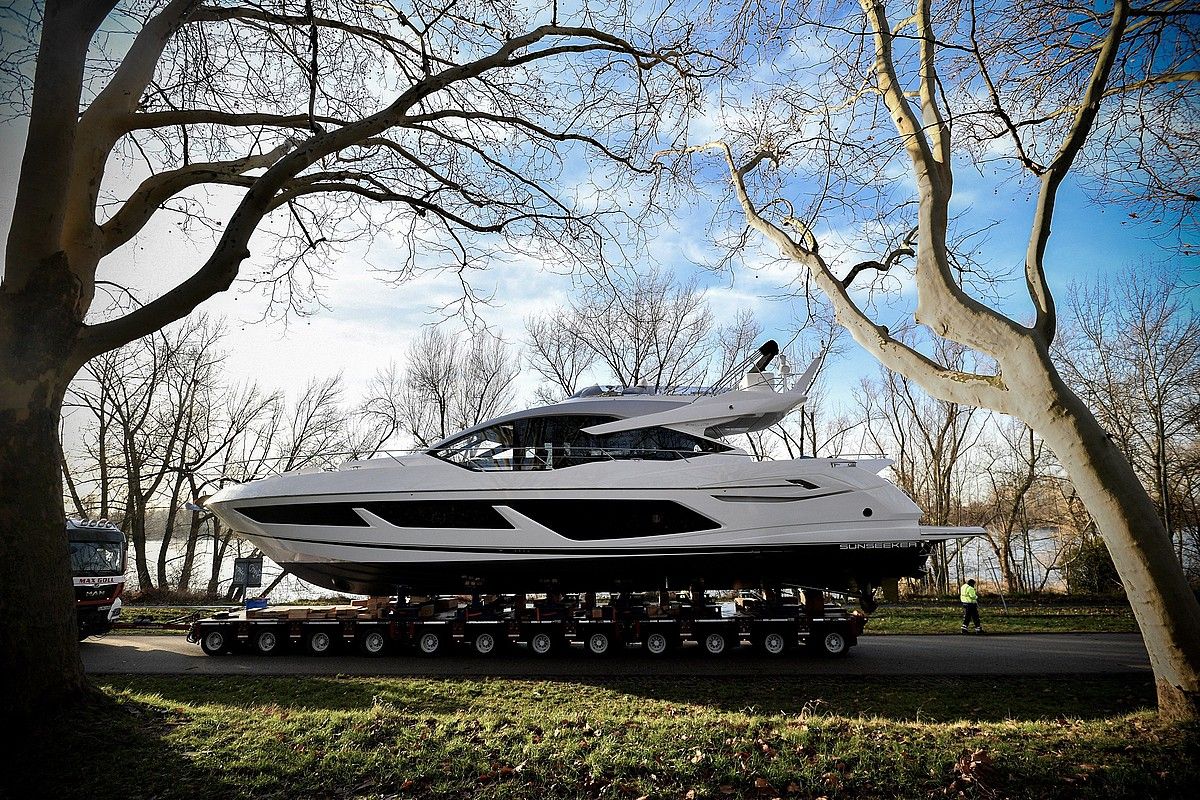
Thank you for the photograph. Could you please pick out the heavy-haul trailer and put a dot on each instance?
(772, 623)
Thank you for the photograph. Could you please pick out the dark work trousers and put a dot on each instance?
(970, 613)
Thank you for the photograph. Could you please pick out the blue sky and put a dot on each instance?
(368, 322)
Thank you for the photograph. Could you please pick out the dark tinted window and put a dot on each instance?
(559, 441)
(589, 520)
(97, 558)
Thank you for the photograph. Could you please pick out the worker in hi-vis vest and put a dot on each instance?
(970, 603)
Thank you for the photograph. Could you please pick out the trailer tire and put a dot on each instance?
(541, 644)
(319, 643)
(832, 644)
(598, 643)
(268, 642)
(214, 643)
(656, 644)
(715, 643)
(372, 643)
(773, 643)
(485, 644)
(430, 644)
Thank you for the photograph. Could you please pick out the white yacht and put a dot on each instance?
(614, 488)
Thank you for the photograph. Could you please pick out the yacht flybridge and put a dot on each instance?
(613, 488)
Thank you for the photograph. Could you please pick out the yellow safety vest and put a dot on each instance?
(967, 593)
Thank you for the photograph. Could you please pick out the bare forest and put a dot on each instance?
(158, 424)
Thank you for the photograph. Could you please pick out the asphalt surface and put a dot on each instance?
(1033, 654)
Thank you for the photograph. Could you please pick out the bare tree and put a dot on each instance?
(1022, 475)
(379, 416)
(448, 387)
(457, 119)
(1131, 349)
(159, 414)
(144, 400)
(930, 441)
(1035, 93)
(645, 328)
(557, 354)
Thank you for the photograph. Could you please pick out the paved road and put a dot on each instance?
(1037, 654)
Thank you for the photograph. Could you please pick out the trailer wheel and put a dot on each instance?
(319, 643)
(373, 643)
(598, 643)
(267, 643)
(773, 643)
(833, 643)
(485, 643)
(656, 643)
(541, 644)
(213, 643)
(430, 644)
(715, 643)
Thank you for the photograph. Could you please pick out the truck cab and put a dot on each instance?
(98, 572)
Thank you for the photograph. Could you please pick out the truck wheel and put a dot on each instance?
(715, 643)
(598, 643)
(267, 643)
(833, 643)
(656, 643)
(541, 644)
(213, 643)
(373, 643)
(773, 643)
(319, 643)
(485, 643)
(429, 644)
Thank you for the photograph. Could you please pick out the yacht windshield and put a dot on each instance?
(554, 442)
(97, 558)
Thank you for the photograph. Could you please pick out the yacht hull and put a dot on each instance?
(832, 566)
(422, 526)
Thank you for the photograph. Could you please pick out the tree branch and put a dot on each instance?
(205, 116)
(102, 123)
(220, 270)
(935, 125)
(951, 385)
(148, 198)
(44, 188)
(941, 303)
(1035, 274)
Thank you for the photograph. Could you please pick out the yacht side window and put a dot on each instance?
(485, 450)
(556, 442)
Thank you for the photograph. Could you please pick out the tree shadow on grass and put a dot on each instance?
(106, 748)
(298, 693)
(908, 698)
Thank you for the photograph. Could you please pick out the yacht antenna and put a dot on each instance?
(766, 353)
(760, 359)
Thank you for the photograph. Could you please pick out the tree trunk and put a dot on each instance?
(39, 651)
(189, 553)
(1163, 604)
(135, 527)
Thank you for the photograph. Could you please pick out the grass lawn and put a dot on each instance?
(1020, 617)
(280, 737)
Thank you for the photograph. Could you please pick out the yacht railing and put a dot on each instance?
(565, 458)
(228, 472)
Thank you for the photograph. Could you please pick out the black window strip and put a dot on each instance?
(590, 520)
(440, 514)
(330, 514)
